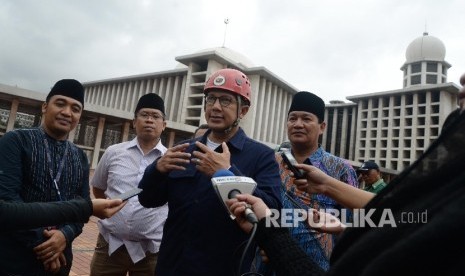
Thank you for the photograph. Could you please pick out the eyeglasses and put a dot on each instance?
(154, 116)
(224, 100)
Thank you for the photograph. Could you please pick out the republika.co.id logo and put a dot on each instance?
(350, 218)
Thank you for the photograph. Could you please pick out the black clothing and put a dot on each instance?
(19, 215)
(35, 167)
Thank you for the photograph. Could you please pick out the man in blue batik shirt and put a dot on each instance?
(305, 124)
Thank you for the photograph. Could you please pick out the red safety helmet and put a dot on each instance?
(230, 80)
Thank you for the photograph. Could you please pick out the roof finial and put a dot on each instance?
(226, 22)
(426, 28)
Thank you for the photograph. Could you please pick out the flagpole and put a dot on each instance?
(226, 21)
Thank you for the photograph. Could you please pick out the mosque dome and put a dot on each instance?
(425, 47)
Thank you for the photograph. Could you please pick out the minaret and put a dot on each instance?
(425, 63)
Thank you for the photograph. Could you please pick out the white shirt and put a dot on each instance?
(140, 229)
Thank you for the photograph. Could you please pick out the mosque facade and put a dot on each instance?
(390, 127)
(393, 128)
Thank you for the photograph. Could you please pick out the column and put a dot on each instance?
(12, 117)
(98, 142)
(125, 131)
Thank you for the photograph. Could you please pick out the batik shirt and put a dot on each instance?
(317, 245)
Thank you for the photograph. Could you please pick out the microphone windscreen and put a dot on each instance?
(222, 172)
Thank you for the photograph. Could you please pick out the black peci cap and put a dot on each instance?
(308, 102)
(151, 100)
(68, 88)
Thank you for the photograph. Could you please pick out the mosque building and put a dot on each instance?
(390, 127)
(393, 128)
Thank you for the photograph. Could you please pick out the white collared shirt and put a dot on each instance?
(140, 229)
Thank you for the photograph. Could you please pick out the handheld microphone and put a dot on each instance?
(228, 186)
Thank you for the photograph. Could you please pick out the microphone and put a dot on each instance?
(228, 186)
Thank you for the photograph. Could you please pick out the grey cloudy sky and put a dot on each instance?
(334, 48)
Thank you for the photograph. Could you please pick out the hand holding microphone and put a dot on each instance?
(228, 186)
(231, 190)
(315, 182)
(238, 208)
(248, 210)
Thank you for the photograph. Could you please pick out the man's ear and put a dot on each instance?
(164, 125)
(44, 107)
(322, 127)
(244, 110)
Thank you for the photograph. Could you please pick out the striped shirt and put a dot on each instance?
(25, 176)
(140, 229)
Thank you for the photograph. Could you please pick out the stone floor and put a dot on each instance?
(83, 248)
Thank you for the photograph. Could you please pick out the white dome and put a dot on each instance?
(425, 47)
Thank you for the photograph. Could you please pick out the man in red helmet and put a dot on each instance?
(199, 237)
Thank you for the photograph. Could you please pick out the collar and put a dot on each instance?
(134, 143)
(316, 156)
(50, 138)
(237, 141)
(377, 183)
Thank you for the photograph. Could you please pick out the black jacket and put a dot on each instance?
(20, 215)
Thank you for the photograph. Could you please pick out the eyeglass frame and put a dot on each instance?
(146, 115)
(220, 99)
